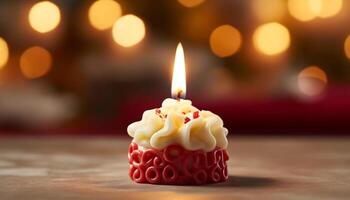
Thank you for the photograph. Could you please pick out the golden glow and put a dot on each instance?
(347, 47)
(4, 53)
(225, 40)
(271, 38)
(315, 6)
(329, 8)
(306, 10)
(128, 30)
(35, 62)
(269, 9)
(312, 81)
(303, 10)
(103, 14)
(190, 3)
(44, 16)
(178, 84)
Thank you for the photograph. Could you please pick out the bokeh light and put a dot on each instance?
(128, 30)
(315, 6)
(44, 16)
(312, 81)
(266, 10)
(190, 3)
(35, 62)
(347, 47)
(225, 40)
(329, 8)
(303, 10)
(4, 53)
(306, 10)
(103, 14)
(271, 38)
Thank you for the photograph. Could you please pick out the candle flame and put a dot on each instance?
(178, 84)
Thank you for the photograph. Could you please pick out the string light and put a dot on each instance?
(103, 14)
(271, 38)
(4, 53)
(44, 16)
(35, 62)
(128, 30)
(225, 40)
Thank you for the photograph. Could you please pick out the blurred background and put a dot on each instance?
(92, 67)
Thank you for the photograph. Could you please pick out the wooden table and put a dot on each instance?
(96, 168)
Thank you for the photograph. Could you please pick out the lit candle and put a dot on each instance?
(178, 143)
(178, 83)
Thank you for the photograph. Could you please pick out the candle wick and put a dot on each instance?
(179, 94)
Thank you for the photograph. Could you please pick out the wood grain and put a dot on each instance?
(96, 168)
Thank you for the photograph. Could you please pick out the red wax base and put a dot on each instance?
(174, 165)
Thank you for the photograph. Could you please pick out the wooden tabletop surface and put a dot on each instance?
(97, 168)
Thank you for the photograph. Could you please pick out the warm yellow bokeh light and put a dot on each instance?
(128, 30)
(347, 47)
(269, 9)
(303, 10)
(103, 14)
(329, 8)
(225, 40)
(35, 62)
(306, 10)
(312, 81)
(271, 38)
(315, 6)
(4, 52)
(44, 16)
(190, 3)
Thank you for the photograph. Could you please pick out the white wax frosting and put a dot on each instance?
(178, 122)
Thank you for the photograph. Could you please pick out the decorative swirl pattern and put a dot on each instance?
(178, 122)
(174, 165)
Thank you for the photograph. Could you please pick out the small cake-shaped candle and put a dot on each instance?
(177, 143)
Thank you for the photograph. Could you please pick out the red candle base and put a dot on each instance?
(174, 165)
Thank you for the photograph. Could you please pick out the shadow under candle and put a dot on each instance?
(247, 182)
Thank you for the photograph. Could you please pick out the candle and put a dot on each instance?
(178, 143)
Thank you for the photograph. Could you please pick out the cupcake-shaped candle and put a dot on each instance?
(177, 143)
